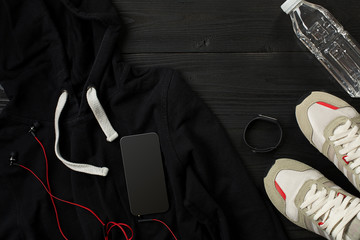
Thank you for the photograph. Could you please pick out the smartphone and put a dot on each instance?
(144, 173)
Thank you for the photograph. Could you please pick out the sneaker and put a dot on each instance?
(331, 125)
(311, 201)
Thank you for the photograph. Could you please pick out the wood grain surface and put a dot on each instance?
(243, 59)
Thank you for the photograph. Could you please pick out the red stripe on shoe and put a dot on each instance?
(283, 195)
(327, 105)
(344, 196)
(345, 159)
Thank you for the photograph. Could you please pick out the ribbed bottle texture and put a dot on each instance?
(324, 36)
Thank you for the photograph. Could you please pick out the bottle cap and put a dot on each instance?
(289, 5)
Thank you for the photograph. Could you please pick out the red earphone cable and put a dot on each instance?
(59, 199)
(109, 226)
(119, 225)
(157, 220)
(52, 197)
(49, 189)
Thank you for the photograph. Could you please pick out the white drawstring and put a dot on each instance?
(104, 123)
(100, 115)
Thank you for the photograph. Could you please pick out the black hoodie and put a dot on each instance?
(60, 68)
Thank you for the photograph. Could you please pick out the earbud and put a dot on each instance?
(33, 128)
(13, 156)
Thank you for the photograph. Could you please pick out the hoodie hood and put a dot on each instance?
(51, 46)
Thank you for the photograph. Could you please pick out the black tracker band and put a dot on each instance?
(261, 117)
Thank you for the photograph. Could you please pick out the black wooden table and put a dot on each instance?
(242, 58)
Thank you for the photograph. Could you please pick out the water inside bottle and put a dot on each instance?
(332, 46)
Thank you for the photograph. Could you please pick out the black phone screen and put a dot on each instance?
(144, 174)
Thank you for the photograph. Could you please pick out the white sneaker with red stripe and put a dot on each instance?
(308, 199)
(332, 126)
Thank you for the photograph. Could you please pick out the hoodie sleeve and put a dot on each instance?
(217, 184)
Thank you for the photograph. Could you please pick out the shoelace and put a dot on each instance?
(348, 137)
(103, 121)
(333, 211)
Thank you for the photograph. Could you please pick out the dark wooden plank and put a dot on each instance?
(239, 86)
(242, 58)
(218, 26)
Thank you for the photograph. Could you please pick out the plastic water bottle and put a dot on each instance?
(324, 36)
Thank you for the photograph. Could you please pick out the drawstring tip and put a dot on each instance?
(112, 137)
(104, 171)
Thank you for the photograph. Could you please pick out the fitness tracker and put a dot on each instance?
(250, 126)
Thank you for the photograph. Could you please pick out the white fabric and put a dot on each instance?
(290, 182)
(336, 161)
(335, 212)
(315, 228)
(348, 138)
(100, 115)
(84, 168)
(320, 117)
(331, 153)
(354, 180)
(345, 171)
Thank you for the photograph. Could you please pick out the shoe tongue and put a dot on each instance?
(352, 231)
(340, 128)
